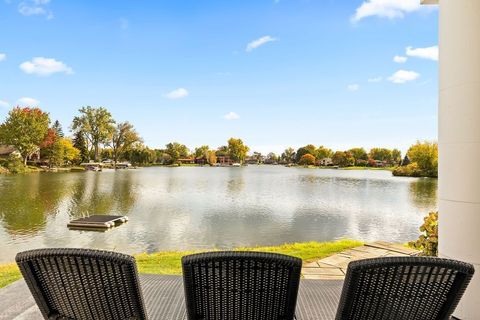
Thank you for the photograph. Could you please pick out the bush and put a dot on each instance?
(428, 240)
(411, 170)
(15, 164)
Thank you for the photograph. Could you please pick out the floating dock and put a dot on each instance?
(97, 222)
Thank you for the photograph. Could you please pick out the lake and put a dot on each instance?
(202, 207)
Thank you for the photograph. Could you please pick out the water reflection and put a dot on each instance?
(188, 208)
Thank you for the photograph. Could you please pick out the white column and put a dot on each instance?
(459, 142)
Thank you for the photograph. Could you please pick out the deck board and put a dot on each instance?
(164, 299)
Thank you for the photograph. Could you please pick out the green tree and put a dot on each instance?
(358, 154)
(381, 154)
(58, 129)
(123, 137)
(140, 155)
(425, 155)
(96, 124)
(307, 160)
(80, 143)
(222, 151)
(25, 129)
(343, 159)
(323, 152)
(237, 150)
(288, 155)
(308, 149)
(202, 151)
(177, 151)
(396, 156)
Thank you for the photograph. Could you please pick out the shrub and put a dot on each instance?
(428, 240)
(15, 164)
(411, 170)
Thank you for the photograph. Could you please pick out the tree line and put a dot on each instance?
(98, 136)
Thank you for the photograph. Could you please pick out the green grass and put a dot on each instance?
(169, 262)
(8, 273)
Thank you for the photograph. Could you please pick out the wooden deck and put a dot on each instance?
(164, 299)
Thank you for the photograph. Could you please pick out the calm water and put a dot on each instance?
(193, 207)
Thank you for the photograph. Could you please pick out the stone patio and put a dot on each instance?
(334, 267)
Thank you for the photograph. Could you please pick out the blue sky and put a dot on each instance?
(274, 73)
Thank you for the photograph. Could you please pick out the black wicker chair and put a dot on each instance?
(83, 284)
(241, 285)
(409, 288)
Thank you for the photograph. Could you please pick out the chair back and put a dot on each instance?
(409, 288)
(241, 285)
(83, 284)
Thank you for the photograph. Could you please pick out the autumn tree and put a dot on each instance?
(237, 150)
(307, 160)
(97, 125)
(308, 149)
(425, 155)
(25, 129)
(123, 137)
(211, 157)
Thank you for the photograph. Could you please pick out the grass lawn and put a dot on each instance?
(8, 274)
(169, 262)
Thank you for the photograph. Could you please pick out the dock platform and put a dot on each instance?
(102, 222)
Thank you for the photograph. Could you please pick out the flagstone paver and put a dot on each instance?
(335, 267)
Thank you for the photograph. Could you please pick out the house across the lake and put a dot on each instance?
(325, 162)
(186, 161)
(6, 151)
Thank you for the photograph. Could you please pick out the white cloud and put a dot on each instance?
(3, 56)
(231, 116)
(353, 87)
(177, 94)
(375, 79)
(4, 104)
(403, 76)
(424, 53)
(400, 59)
(28, 102)
(45, 67)
(259, 42)
(385, 8)
(35, 7)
